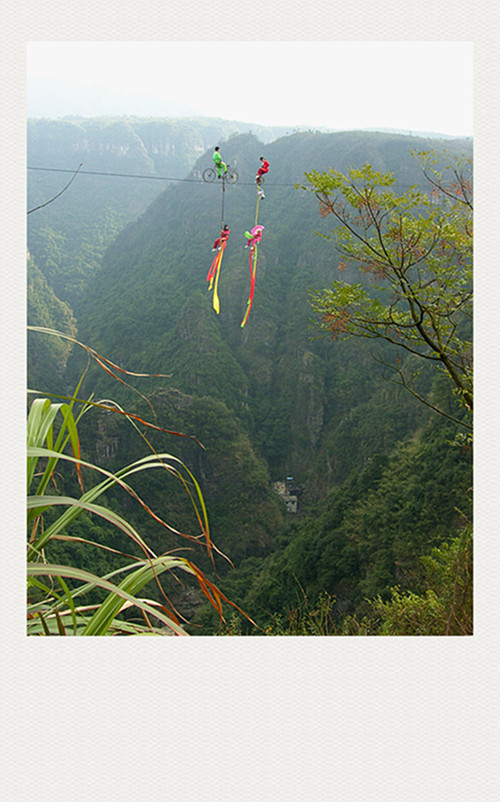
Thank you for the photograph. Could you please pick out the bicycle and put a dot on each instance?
(210, 174)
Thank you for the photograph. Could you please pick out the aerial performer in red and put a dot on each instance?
(213, 274)
(219, 164)
(254, 237)
(263, 169)
(224, 234)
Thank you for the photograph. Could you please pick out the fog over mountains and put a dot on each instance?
(52, 99)
(55, 99)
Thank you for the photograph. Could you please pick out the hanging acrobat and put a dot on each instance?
(214, 271)
(259, 180)
(254, 237)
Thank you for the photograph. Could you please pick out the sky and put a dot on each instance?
(413, 86)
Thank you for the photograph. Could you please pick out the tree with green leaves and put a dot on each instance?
(415, 249)
(444, 607)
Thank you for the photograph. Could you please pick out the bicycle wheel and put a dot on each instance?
(209, 174)
(262, 181)
(231, 176)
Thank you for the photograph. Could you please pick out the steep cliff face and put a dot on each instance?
(311, 396)
(243, 510)
(47, 356)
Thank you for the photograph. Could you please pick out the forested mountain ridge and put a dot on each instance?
(271, 400)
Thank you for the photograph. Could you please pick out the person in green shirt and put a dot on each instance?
(219, 163)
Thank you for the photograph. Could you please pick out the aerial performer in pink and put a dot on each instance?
(254, 237)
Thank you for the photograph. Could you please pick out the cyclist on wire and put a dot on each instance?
(220, 165)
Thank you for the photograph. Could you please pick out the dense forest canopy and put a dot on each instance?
(380, 479)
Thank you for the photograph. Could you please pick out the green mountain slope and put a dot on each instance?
(47, 356)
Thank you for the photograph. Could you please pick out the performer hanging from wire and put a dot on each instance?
(254, 236)
(263, 169)
(224, 234)
(214, 271)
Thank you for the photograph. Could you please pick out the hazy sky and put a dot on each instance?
(419, 86)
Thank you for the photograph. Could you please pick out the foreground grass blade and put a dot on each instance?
(101, 627)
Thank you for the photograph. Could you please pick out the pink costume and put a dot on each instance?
(255, 236)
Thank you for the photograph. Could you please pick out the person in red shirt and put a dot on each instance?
(224, 234)
(264, 168)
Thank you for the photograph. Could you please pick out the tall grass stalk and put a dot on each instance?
(55, 591)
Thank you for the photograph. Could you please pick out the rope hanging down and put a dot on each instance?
(223, 194)
(252, 263)
(257, 210)
(254, 236)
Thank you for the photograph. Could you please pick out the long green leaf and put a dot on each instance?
(132, 584)
(47, 569)
(76, 506)
(150, 461)
(40, 420)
